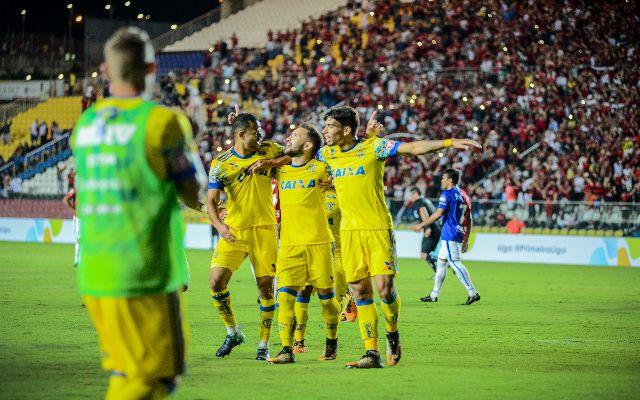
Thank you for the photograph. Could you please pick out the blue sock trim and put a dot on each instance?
(116, 373)
(364, 302)
(393, 298)
(326, 296)
(221, 296)
(268, 308)
(303, 299)
(292, 292)
(170, 385)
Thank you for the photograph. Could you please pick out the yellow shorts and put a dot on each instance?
(140, 337)
(260, 243)
(311, 264)
(368, 253)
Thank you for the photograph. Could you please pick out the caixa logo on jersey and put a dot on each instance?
(342, 172)
(297, 184)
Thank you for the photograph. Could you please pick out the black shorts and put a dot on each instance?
(430, 243)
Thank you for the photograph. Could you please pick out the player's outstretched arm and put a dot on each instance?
(432, 218)
(420, 147)
(213, 201)
(262, 165)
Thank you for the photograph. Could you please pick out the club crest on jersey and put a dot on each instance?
(389, 145)
(340, 172)
(360, 154)
(311, 168)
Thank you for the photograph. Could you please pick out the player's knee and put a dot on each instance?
(265, 287)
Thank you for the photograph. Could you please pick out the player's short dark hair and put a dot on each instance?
(243, 121)
(416, 190)
(453, 174)
(314, 136)
(347, 116)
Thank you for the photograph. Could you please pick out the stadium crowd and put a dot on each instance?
(510, 76)
(564, 76)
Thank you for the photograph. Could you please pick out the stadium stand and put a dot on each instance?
(515, 78)
(65, 111)
(252, 24)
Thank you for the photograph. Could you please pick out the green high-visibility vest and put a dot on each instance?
(132, 228)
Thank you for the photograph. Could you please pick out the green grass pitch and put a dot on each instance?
(540, 331)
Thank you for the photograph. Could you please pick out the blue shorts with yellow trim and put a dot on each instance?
(368, 253)
(260, 243)
(311, 264)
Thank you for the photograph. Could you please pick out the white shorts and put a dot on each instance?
(450, 250)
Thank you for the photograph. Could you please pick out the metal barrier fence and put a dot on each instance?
(598, 217)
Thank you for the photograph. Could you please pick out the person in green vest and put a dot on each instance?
(134, 159)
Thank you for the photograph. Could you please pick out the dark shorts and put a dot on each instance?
(430, 243)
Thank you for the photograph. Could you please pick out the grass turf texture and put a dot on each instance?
(540, 331)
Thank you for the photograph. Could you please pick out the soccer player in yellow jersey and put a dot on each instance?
(349, 311)
(366, 229)
(248, 230)
(306, 243)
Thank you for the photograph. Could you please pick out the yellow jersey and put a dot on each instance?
(302, 202)
(358, 176)
(332, 209)
(249, 196)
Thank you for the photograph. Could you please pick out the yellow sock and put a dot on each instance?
(330, 311)
(302, 315)
(267, 311)
(286, 317)
(222, 302)
(340, 279)
(368, 321)
(391, 312)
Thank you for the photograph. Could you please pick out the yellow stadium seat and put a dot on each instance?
(618, 233)
(64, 110)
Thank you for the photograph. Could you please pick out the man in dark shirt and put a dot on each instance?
(423, 208)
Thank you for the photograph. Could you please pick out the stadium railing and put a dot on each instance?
(543, 217)
(39, 159)
(10, 110)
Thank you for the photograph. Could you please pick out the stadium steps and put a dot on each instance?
(46, 182)
(63, 110)
(252, 24)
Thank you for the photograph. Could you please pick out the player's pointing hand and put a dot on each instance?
(232, 115)
(373, 126)
(464, 144)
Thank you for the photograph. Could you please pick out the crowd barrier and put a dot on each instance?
(497, 247)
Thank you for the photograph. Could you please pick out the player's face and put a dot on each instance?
(445, 181)
(333, 132)
(252, 136)
(295, 142)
